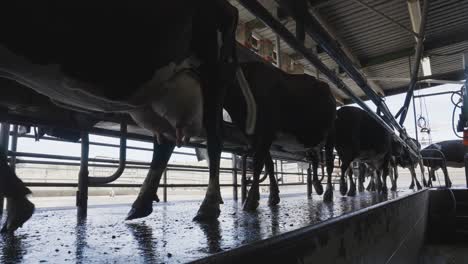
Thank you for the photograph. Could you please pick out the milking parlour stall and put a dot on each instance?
(234, 131)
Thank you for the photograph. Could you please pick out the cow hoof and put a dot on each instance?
(318, 187)
(19, 211)
(343, 188)
(384, 190)
(352, 191)
(139, 212)
(361, 188)
(273, 199)
(250, 204)
(411, 186)
(328, 196)
(419, 186)
(425, 183)
(393, 188)
(208, 212)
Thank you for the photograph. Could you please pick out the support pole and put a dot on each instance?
(309, 181)
(4, 138)
(165, 186)
(82, 193)
(14, 147)
(415, 121)
(465, 113)
(244, 178)
(234, 177)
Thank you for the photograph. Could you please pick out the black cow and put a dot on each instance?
(402, 158)
(136, 59)
(440, 155)
(360, 138)
(296, 112)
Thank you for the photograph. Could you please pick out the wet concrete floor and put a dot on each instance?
(168, 235)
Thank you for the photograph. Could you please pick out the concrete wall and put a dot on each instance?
(389, 232)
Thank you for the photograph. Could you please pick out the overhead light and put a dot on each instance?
(426, 66)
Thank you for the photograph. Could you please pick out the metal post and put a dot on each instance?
(415, 121)
(465, 111)
(82, 193)
(309, 181)
(234, 177)
(165, 186)
(244, 178)
(282, 172)
(4, 138)
(14, 147)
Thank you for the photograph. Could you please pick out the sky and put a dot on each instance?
(436, 109)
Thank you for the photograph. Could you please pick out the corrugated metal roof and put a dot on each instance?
(368, 35)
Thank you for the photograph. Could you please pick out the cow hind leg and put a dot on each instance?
(273, 198)
(315, 181)
(423, 177)
(414, 178)
(330, 162)
(343, 184)
(448, 182)
(253, 197)
(361, 177)
(143, 205)
(352, 183)
(19, 208)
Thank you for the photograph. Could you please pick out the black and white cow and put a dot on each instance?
(296, 112)
(159, 61)
(360, 138)
(440, 155)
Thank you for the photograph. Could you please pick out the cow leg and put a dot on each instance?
(448, 182)
(371, 185)
(361, 177)
(385, 173)
(19, 208)
(431, 176)
(352, 183)
(378, 180)
(330, 162)
(253, 197)
(414, 178)
(315, 181)
(273, 198)
(423, 178)
(143, 205)
(344, 168)
(395, 177)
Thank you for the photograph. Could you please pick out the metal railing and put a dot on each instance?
(84, 181)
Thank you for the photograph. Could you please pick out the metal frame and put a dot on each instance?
(322, 38)
(84, 162)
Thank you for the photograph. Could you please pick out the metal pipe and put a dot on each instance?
(122, 159)
(244, 178)
(264, 15)
(82, 192)
(309, 181)
(417, 62)
(14, 147)
(234, 177)
(415, 121)
(4, 138)
(164, 186)
(109, 145)
(434, 94)
(133, 185)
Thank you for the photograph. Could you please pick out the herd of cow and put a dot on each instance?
(174, 79)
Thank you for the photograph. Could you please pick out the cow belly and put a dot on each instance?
(289, 143)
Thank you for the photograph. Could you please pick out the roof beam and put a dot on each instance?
(424, 82)
(345, 48)
(430, 44)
